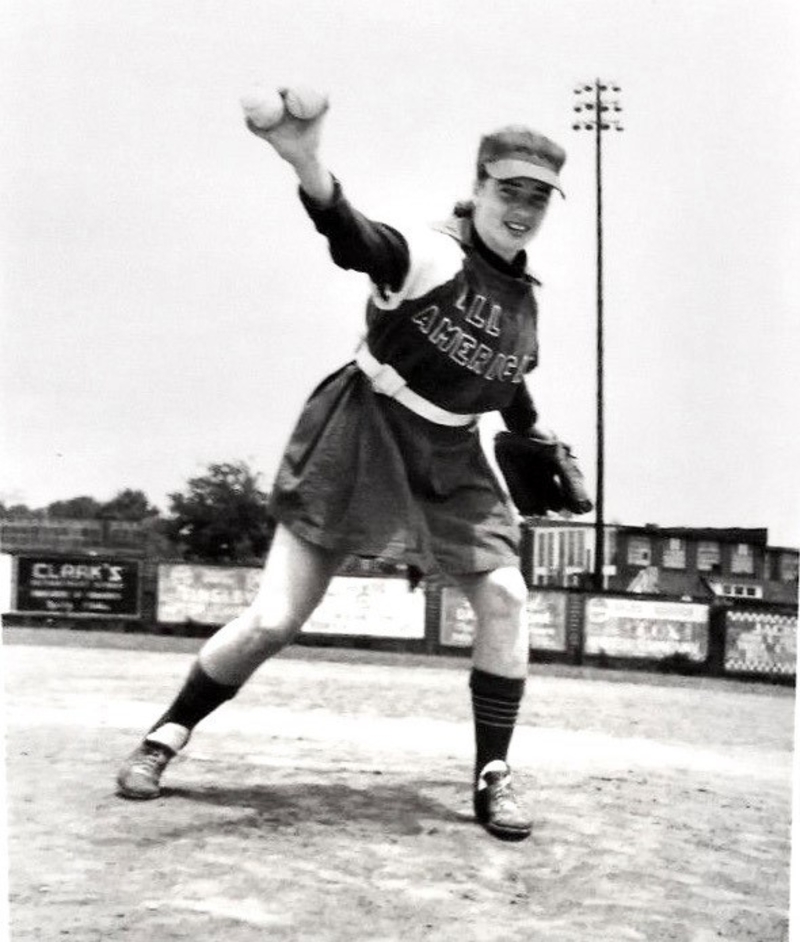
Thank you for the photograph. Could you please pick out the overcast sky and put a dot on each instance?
(166, 304)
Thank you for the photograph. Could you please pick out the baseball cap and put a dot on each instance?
(517, 151)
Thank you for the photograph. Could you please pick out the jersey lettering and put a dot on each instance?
(471, 304)
(479, 359)
(479, 325)
(493, 324)
(462, 350)
(427, 318)
(496, 367)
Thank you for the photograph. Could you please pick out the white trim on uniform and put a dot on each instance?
(388, 382)
(434, 258)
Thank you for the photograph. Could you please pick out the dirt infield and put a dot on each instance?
(329, 802)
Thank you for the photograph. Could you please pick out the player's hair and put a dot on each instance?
(464, 209)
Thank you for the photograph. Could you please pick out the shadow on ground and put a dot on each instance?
(400, 809)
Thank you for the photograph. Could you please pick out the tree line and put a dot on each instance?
(221, 515)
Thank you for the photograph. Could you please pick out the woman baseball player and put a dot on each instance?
(386, 459)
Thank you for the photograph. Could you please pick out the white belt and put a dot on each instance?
(388, 382)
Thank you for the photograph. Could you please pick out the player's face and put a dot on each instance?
(508, 213)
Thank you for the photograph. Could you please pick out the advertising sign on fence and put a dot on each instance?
(547, 620)
(78, 586)
(205, 595)
(456, 620)
(213, 595)
(645, 628)
(6, 582)
(370, 607)
(761, 642)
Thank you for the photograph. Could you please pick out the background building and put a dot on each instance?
(60, 534)
(560, 552)
(691, 562)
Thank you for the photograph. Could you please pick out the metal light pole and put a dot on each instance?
(593, 115)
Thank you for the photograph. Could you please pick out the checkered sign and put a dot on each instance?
(761, 642)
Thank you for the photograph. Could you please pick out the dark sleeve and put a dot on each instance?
(360, 244)
(520, 416)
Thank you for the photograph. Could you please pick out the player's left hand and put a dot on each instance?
(543, 434)
(542, 475)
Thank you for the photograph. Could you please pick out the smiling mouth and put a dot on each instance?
(517, 228)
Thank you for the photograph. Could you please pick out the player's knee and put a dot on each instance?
(506, 594)
(270, 629)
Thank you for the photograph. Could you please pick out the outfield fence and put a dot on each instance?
(748, 639)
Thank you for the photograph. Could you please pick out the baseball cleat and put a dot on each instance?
(497, 808)
(141, 772)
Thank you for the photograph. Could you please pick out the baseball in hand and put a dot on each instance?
(263, 107)
(305, 103)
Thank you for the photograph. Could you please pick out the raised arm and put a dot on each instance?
(297, 141)
(356, 242)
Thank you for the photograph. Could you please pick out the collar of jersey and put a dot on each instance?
(461, 229)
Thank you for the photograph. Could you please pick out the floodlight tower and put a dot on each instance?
(594, 112)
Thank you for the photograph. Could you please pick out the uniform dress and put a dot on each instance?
(386, 459)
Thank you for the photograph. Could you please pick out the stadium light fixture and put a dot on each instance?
(594, 100)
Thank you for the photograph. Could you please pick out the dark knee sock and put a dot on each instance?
(199, 696)
(495, 705)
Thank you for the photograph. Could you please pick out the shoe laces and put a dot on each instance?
(504, 787)
(502, 791)
(152, 759)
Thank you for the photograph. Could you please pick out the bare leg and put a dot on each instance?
(501, 640)
(296, 575)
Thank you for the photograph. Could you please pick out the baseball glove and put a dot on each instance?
(541, 475)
